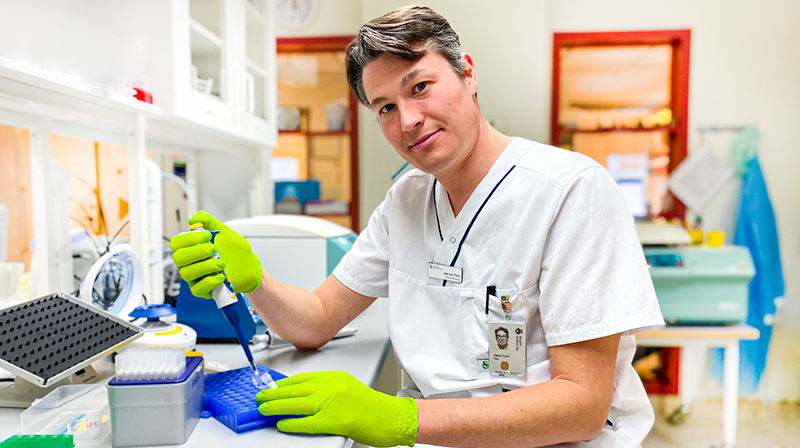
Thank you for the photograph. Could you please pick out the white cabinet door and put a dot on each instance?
(204, 36)
(257, 70)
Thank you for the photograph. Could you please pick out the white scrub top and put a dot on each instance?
(547, 227)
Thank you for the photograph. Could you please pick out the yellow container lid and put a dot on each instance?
(716, 238)
(697, 235)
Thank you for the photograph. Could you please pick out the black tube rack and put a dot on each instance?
(58, 334)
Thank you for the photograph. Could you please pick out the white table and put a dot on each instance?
(694, 338)
(361, 355)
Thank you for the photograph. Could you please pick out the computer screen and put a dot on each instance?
(635, 197)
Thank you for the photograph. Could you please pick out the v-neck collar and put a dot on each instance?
(453, 227)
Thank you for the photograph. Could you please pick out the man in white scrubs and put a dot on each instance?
(487, 232)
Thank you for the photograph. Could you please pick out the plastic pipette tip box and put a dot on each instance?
(168, 409)
(231, 398)
(64, 441)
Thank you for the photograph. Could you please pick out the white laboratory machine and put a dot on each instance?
(295, 249)
(696, 284)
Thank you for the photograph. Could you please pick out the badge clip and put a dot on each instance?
(506, 304)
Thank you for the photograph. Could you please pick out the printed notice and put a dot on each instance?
(699, 177)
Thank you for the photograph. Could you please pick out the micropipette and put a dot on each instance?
(225, 299)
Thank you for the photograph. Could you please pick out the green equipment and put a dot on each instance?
(701, 284)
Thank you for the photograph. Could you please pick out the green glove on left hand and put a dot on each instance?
(192, 252)
(338, 404)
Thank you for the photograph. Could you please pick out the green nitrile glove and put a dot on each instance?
(192, 252)
(338, 404)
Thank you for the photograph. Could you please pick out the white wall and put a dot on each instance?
(745, 69)
(223, 188)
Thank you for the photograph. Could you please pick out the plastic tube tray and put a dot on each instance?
(231, 398)
(28, 441)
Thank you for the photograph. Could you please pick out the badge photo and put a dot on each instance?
(507, 355)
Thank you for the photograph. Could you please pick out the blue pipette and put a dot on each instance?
(225, 299)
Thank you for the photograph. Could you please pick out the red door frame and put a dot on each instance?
(680, 40)
(322, 44)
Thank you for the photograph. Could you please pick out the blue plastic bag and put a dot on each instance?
(757, 231)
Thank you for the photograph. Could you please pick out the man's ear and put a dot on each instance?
(470, 74)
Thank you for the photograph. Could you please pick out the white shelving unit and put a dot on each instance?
(46, 103)
(229, 41)
(225, 42)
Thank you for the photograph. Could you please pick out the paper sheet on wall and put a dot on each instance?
(699, 177)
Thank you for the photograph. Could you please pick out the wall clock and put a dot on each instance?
(296, 14)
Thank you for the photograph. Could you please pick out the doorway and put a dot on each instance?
(315, 163)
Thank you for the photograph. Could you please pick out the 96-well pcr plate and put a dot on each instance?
(231, 398)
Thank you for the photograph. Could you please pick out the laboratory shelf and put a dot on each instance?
(72, 106)
(670, 129)
(171, 132)
(209, 37)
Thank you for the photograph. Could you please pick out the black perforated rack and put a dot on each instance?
(45, 340)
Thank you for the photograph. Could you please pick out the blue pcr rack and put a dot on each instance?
(231, 398)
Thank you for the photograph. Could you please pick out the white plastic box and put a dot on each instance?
(80, 410)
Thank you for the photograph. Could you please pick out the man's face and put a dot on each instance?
(427, 112)
(502, 339)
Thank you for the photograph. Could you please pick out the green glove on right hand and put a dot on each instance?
(336, 403)
(192, 252)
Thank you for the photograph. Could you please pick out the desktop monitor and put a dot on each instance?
(633, 191)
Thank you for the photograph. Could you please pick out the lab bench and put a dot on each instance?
(694, 338)
(362, 356)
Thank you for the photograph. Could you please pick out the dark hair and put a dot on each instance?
(499, 329)
(408, 34)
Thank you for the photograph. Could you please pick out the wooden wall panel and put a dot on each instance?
(110, 165)
(15, 191)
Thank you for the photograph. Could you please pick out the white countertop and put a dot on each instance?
(361, 355)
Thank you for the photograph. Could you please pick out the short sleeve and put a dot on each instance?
(365, 268)
(594, 280)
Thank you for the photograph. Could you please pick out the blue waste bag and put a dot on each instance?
(757, 231)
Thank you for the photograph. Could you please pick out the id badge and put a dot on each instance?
(507, 355)
(444, 272)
